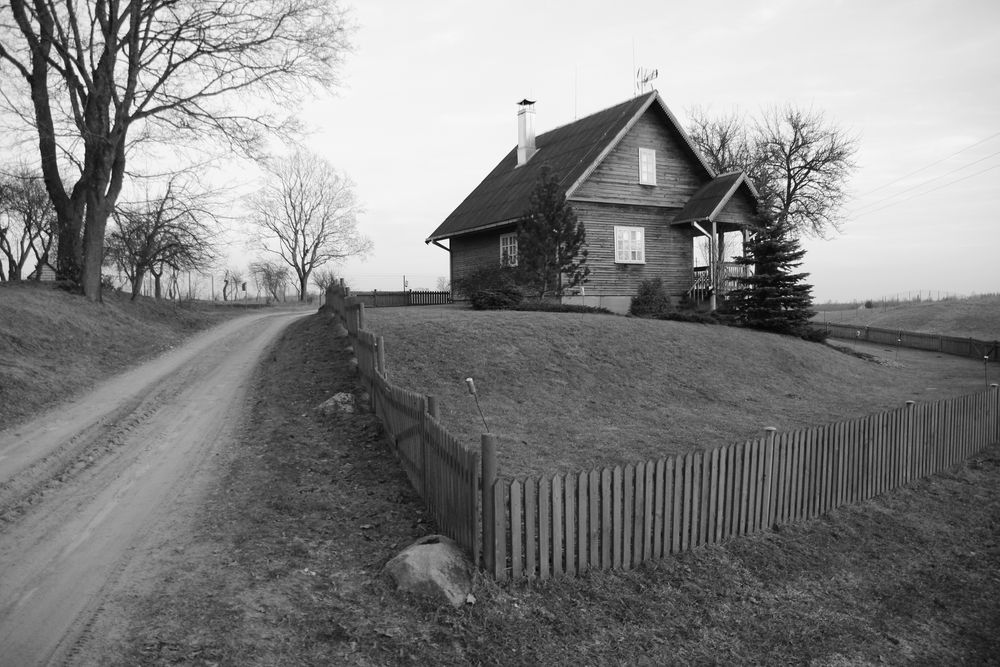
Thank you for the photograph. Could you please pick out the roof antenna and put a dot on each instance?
(643, 77)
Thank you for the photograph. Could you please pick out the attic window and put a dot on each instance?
(630, 245)
(647, 166)
(508, 249)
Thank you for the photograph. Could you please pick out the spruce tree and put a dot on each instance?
(774, 298)
(550, 254)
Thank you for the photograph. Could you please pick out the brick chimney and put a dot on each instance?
(525, 131)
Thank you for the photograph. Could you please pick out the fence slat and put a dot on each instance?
(638, 506)
(582, 533)
(606, 522)
(628, 502)
(545, 554)
(516, 527)
(658, 509)
(595, 523)
(676, 524)
(531, 527)
(558, 526)
(500, 531)
(647, 513)
(569, 506)
(618, 498)
(686, 502)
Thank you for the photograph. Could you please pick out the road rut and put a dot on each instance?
(92, 489)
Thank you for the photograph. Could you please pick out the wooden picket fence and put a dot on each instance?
(616, 518)
(963, 347)
(440, 468)
(379, 299)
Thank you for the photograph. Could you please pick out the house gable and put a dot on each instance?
(679, 171)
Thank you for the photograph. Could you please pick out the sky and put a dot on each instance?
(428, 101)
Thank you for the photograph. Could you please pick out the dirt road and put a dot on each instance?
(91, 491)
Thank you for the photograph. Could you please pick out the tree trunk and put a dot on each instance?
(137, 279)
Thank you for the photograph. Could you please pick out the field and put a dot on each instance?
(571, 392)
(972, 317)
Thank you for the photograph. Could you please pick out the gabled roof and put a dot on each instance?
(707, 203)
(572, 151)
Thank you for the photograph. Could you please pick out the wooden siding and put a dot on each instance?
(475, 251)
(616, 179)
(669, 250)
(738, 210)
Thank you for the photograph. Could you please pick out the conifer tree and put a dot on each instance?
(550, 241)
(774, 298)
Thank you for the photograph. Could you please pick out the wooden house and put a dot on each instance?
(638, 185)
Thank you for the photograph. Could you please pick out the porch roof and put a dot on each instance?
(708, 202)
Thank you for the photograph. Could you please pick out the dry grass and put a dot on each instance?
(54, 344)
(284, 569)
(973, 317)
(570, 392)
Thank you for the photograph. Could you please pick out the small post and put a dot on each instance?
(361, 316)
(380, 356)
(986, 369)
(769, 504)
(995, 409)
(489, 478)
(908, 442)
(373, 376)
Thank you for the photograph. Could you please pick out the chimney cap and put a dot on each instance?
(525, 102)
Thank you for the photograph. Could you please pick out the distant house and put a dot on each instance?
(637, 183)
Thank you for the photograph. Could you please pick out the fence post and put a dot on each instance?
(374, 375)
(489, 474)
(361, 316)
(995, 412)
(767, 514)
(908, 444)
(380, 357)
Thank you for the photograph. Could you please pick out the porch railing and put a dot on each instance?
(703, 284)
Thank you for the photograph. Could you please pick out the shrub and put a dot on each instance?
(489, 288)
(815, 334)
(651, 300)
(496, 299)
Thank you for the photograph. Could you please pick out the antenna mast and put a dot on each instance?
(643, 77)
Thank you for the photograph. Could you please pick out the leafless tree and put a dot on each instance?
(306, 214)
(443, 284)
(27, 221)
(323, 278)
(168, 233)
(798, 162)
(270, 276)
(232, 283)
(103, 74)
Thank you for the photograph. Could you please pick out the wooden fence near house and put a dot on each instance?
(963, 347)
(379, 299)
(616, 518)
(443, 471)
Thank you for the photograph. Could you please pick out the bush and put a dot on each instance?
(815, 334)
(651, 300)
(489, 288)
(496, 299)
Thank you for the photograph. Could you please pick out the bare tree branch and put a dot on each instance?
(306, 214)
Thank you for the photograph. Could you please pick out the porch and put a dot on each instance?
(705, 285)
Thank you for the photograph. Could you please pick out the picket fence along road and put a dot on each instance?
(92, 491)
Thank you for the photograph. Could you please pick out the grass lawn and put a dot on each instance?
(571, 392)
(972, 317)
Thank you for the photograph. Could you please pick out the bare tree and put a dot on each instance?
(798, 162)
(306, 214)
(323, 278)
(168, 233)
(27, 221)
(270, 276)
(232, 283)
(103, 73)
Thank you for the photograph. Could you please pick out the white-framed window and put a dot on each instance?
(647, 166)
(508, 249)
(630, 245)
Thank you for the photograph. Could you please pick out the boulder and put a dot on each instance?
(340, 403)
(433, 566)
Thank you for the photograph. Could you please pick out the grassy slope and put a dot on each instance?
(568, 392)
(53, 343)
(975, 317)
(283, 568)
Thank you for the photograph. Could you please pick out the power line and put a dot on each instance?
(928, 181)
(925, 192)
(928, 166)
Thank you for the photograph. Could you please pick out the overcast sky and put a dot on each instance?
(428, 107)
